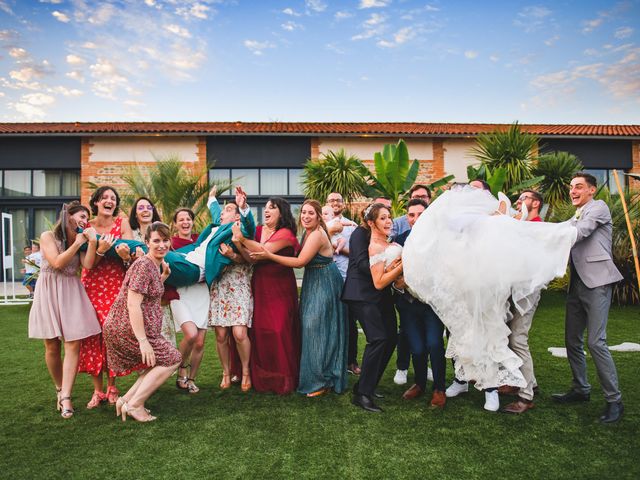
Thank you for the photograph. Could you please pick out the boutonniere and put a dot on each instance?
(578, 213)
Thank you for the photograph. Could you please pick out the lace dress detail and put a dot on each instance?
(390, 253)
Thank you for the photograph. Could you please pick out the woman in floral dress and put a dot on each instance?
(132, 331)
(102, 284)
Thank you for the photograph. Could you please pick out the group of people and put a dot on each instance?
(237, 279)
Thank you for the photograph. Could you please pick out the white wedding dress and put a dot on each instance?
(467, 263)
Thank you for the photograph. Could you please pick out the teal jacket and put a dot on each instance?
(215, 261)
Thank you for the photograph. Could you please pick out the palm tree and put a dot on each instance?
(512, 150)
(558, 169)
(334, 172)
(171, 186)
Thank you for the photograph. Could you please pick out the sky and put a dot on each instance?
(320, 61)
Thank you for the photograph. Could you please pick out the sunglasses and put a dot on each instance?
(144, 207)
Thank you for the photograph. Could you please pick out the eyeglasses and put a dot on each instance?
(523, 198)
(334, 200)
(144, 207)
(422, 197)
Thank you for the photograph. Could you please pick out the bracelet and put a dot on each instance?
(99, 254)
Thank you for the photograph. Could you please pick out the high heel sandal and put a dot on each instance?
(182, 381)
(66, 412)
(246, 386)
(112, 394)
(318, 393)
(121, 402)
(96, 399)
(226, 381)
(127, 411)
(191, 385)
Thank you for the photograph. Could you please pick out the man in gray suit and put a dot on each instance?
(592, 276)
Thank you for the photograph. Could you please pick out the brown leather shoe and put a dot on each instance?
(508, 390)
(439, 399)
(519, 406)
(414, 392)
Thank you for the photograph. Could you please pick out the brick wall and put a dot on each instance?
(635, 155)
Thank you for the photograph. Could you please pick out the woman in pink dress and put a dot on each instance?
(102, 284)
(61, 311)
(133, 328)
(275, 333)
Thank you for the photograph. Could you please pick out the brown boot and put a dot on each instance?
(508, 390)
(519, 406)
(439, 399)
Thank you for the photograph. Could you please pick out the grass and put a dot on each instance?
(228, 434)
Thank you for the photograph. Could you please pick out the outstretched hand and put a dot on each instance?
(241, 198)
(166, 271)
(237, 232)
(226, 250)
(213, 191)
(262, 254)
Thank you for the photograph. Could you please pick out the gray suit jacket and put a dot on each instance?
(591, 254)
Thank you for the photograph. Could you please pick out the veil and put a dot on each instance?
(470, 265)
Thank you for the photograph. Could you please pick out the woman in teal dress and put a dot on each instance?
(323, 316)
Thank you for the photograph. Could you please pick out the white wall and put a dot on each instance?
(364, 148)
(142, 149)
(457, 157)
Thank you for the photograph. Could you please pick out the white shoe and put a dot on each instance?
(456, 388)
(429, 375)
(400, 377)
(491, 401)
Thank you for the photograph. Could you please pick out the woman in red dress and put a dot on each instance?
(275, 334)
(133, 328)
(102, 284)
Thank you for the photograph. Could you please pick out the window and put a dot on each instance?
(46, 183)
(71, 183)
(273, 181)
(249, 178)
(17, 183)
(606, 178)
(261, 182)
(295, 181)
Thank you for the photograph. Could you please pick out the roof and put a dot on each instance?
(308, 128)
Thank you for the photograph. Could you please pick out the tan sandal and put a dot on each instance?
(66, 412)
(226, 381)
(182, 382)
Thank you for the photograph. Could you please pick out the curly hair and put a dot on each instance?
(97, 195)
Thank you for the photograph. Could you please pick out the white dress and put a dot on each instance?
(389, 254)
(467, 263)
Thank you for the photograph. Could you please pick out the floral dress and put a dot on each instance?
(102, 284)
(231, 299)
(123, 348)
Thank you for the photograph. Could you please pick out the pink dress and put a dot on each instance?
(61, 308)
(102, 284)
(123, 349)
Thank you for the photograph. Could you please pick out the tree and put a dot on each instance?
(171, 186)
(512, 150)
(558, 169)
(334, 172)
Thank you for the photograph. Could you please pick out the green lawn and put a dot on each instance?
(228, 434)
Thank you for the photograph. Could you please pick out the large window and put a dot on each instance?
(40, 183)
(606, 178)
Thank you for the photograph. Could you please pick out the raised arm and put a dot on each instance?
(214, 206)
(312, 246)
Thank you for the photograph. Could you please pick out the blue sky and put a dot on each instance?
(320, 60)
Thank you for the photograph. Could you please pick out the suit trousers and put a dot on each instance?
(520, 325)
(378, 321)
(588, 308)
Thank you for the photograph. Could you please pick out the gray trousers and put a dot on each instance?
(588, 308)
(520, 325)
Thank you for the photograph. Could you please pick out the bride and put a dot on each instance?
(467, 261)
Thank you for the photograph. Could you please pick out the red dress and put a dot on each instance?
(102, 284)
(275, 334)
(123, 347)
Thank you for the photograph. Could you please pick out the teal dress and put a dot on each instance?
(323, 318)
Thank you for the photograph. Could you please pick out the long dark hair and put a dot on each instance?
(371, 213)
(318, 209)
(133, 220)
(97, 195)
(286, 219)
(60, 228)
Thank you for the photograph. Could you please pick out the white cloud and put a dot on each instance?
(623, 32)
(19, 53)
(75, 60)
(108, 80)
(373, 3)
(342, 15)
(133, 103)
(178, 30)
(38, 99)
(102, 14)
(29, 111)
(291, 26)
(316, 5)
(471, 54)
(290, 11)
(256, 47)
(591, 52)
(494, 58)
(531, 18)
(75, 75)
(61, 17)
(197, 10)
(73, 92)
(55, 2)
(549, 42)
(151, 3)
(23, 75)
(375, 19)
(590, 25)
(373, 26)
(5, 7)
(89, 45)
(335, 48)
(402, 36)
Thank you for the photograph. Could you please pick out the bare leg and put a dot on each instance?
(190, 333)
(97, 382)
(243, 345)
(146, 385)
(197, 352)
(69, 369)
(222, 345)
(52, 357)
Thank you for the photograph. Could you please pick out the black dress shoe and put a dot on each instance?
(571, 396)
(365, 403)
(612, 412)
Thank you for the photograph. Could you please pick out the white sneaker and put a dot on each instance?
(456, 388)
(429, 375)
(400, 377)
(491, 401)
